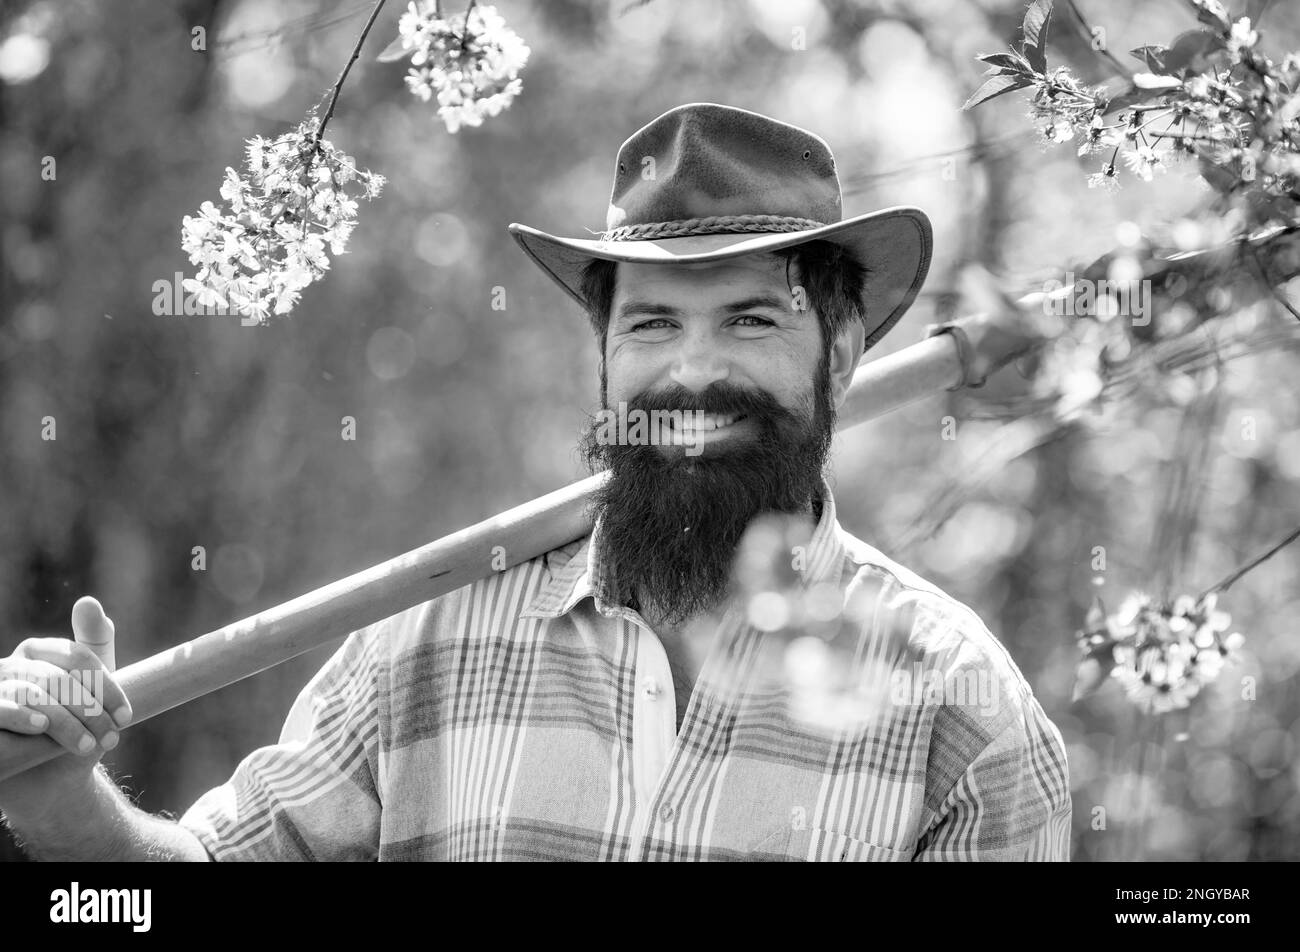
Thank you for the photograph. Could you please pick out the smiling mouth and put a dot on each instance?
(705, 427)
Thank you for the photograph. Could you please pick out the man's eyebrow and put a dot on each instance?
(757, 302)
(652, 309)
(629, 308)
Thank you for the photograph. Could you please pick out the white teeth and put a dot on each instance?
(702, 422)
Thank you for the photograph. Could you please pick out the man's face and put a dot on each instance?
(728, 325)
(754, 393)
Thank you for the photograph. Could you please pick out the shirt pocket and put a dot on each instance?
(771, 845)
(830, 847)
(795, 844)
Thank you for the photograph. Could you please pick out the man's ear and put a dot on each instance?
(844, 356)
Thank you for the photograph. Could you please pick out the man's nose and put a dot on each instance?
(699, 363)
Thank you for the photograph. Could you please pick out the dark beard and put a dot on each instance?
(670, 524)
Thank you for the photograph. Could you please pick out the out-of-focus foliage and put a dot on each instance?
(176, 432)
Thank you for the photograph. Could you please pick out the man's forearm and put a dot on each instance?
(104, 827)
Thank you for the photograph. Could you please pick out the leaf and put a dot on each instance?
(1221, 179)
(1096, 616)
(1153, 56)
(1191, 52)
(996, 87)
(1152, 81)
(1037, 20)
(1092, 673)
(394, 51)
(1006, 61)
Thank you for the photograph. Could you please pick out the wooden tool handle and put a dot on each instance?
(212, 661)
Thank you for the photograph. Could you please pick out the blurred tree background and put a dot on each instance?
(175, 432)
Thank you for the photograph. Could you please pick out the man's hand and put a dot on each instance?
(64, 809)
(65, 689)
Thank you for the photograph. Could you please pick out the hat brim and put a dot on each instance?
(894, 244)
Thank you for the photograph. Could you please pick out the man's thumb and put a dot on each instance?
(92, 628)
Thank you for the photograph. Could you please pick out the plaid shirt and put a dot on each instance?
(522, 718)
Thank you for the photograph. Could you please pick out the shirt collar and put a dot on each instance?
(571, 581)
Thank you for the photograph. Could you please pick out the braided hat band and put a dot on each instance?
(712, 225)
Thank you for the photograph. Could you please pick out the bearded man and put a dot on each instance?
(614, 699)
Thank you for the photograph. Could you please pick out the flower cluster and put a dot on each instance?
(470, 61)
(1162, 655)
(297, 196)
(1212, 95)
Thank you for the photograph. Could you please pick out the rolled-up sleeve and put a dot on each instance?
(313, 795)
(1011, 803)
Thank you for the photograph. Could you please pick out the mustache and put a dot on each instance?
(721, 398)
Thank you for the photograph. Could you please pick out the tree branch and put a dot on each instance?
(1223, 585)
(338, 84)
(1277, 295)
(1105, 50)
(464, 31)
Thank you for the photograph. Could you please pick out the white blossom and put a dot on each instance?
(1242, 37)
(469, 62)
(1143, 161)
(1163, 655)
(268, 243)
(1105, 179)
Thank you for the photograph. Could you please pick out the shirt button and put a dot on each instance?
(650, 686)
(666, 813)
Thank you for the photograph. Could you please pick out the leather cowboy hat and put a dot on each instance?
(706, 182)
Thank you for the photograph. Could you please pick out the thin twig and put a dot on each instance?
(856, 182)
(636, 4)
(1183, 137)
(1224, 585)
(1190, 361)
(1104, 51)
(338, 85)
(1131, 849)
(1138, 840)
(1175, 525)
(1151, 790)
(299, 26)
(464, 31)
(1263, 275)
(942, 506)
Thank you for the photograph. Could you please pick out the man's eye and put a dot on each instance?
(651, 325)
(757, 321)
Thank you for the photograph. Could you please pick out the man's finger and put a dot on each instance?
(21, 699)
(92, 628)
(43, 659)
